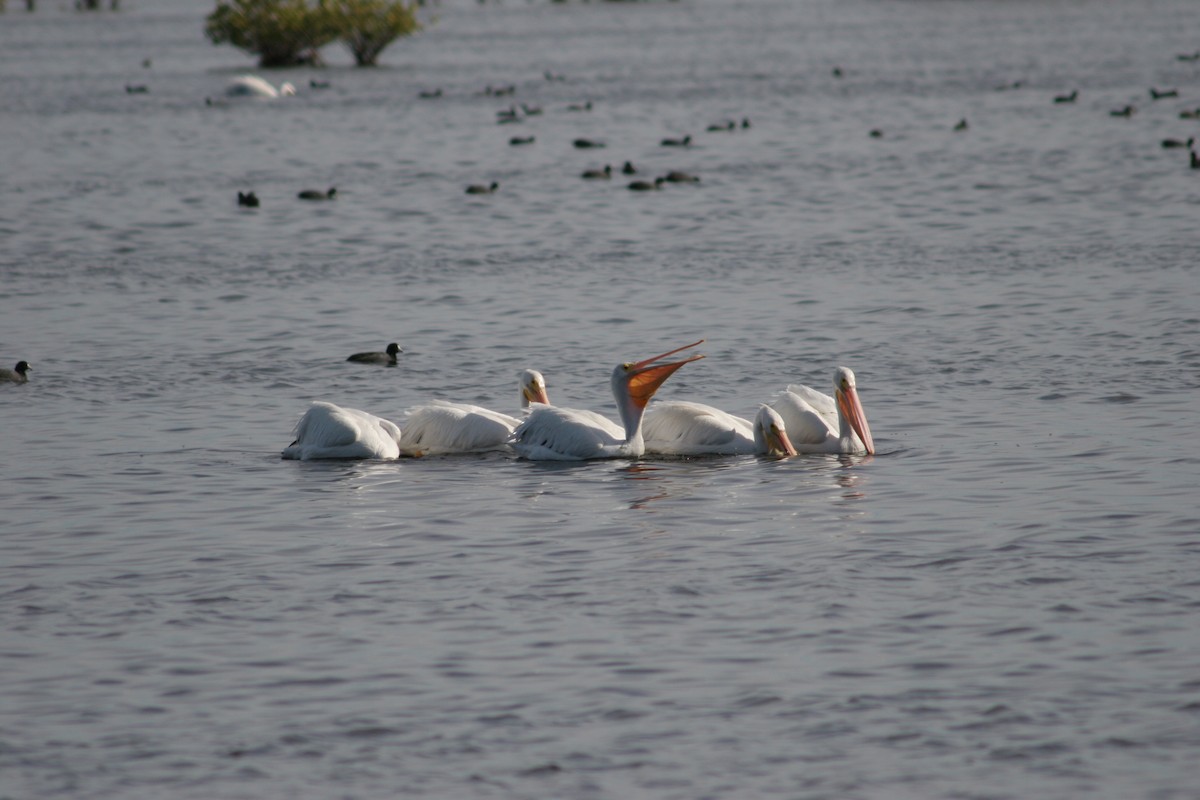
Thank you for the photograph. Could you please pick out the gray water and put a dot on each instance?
(1002, 603)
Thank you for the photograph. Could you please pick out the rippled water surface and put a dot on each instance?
(1002, 603)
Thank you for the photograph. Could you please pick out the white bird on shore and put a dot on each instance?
(440, 427)
(564, 434)
(681, 428)
(330, 431)
(818, 423)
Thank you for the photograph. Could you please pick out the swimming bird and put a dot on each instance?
(136, 88)
(517, 141)
(718, 127)
(680, 177)
(580, 106)
(440, 428)
(680, 428)
(387, 357)
(479, 188)
(647, 186)
(1159, 94)
(316, 194)
(1178, 142)
(550, 433)
(254, 86)
(584, 144)
(330, 431)
(602, 174)
(684, 142)
(961, 125)
(1190, 113)
(249, 199)
(429, 94)
(313, 83)
(1126, 111)
(1067, 98)
(629, 168)
(1195, 160)
(531, 111)
(17, 374)
(818, 423)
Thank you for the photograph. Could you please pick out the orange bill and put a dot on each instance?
(851, 407)
(645, 376)
(536, 394)
(778, 442)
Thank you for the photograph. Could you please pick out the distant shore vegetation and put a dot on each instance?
(287, 33)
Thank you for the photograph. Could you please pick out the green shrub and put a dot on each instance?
(284, 33)
(368, 26)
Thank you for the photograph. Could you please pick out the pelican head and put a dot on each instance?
(533, 388)
(770, 434)
(635, 382)
(850, 409)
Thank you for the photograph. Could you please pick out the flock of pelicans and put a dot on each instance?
(799, 420)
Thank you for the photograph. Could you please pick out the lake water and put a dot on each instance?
(1002, 603)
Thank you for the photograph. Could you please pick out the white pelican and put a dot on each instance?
(680, 428)
(818, 423)
(329, 431)
(16, 375)
(440, 427)
(564, 434)
(254, 86)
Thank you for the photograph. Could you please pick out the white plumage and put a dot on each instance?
(254, 86)
(441, 428)
(818, 423)
(564, 434)
(682, 428)
(330, 431)
(570, 434)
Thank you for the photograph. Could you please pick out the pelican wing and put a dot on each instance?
(806, 416)
(688, 429)
(819, 402)
(440, 428)
(330, 431)
(250, 86)
(550, 433)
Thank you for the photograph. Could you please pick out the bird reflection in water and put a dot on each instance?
(850, 481)
(646, 472)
